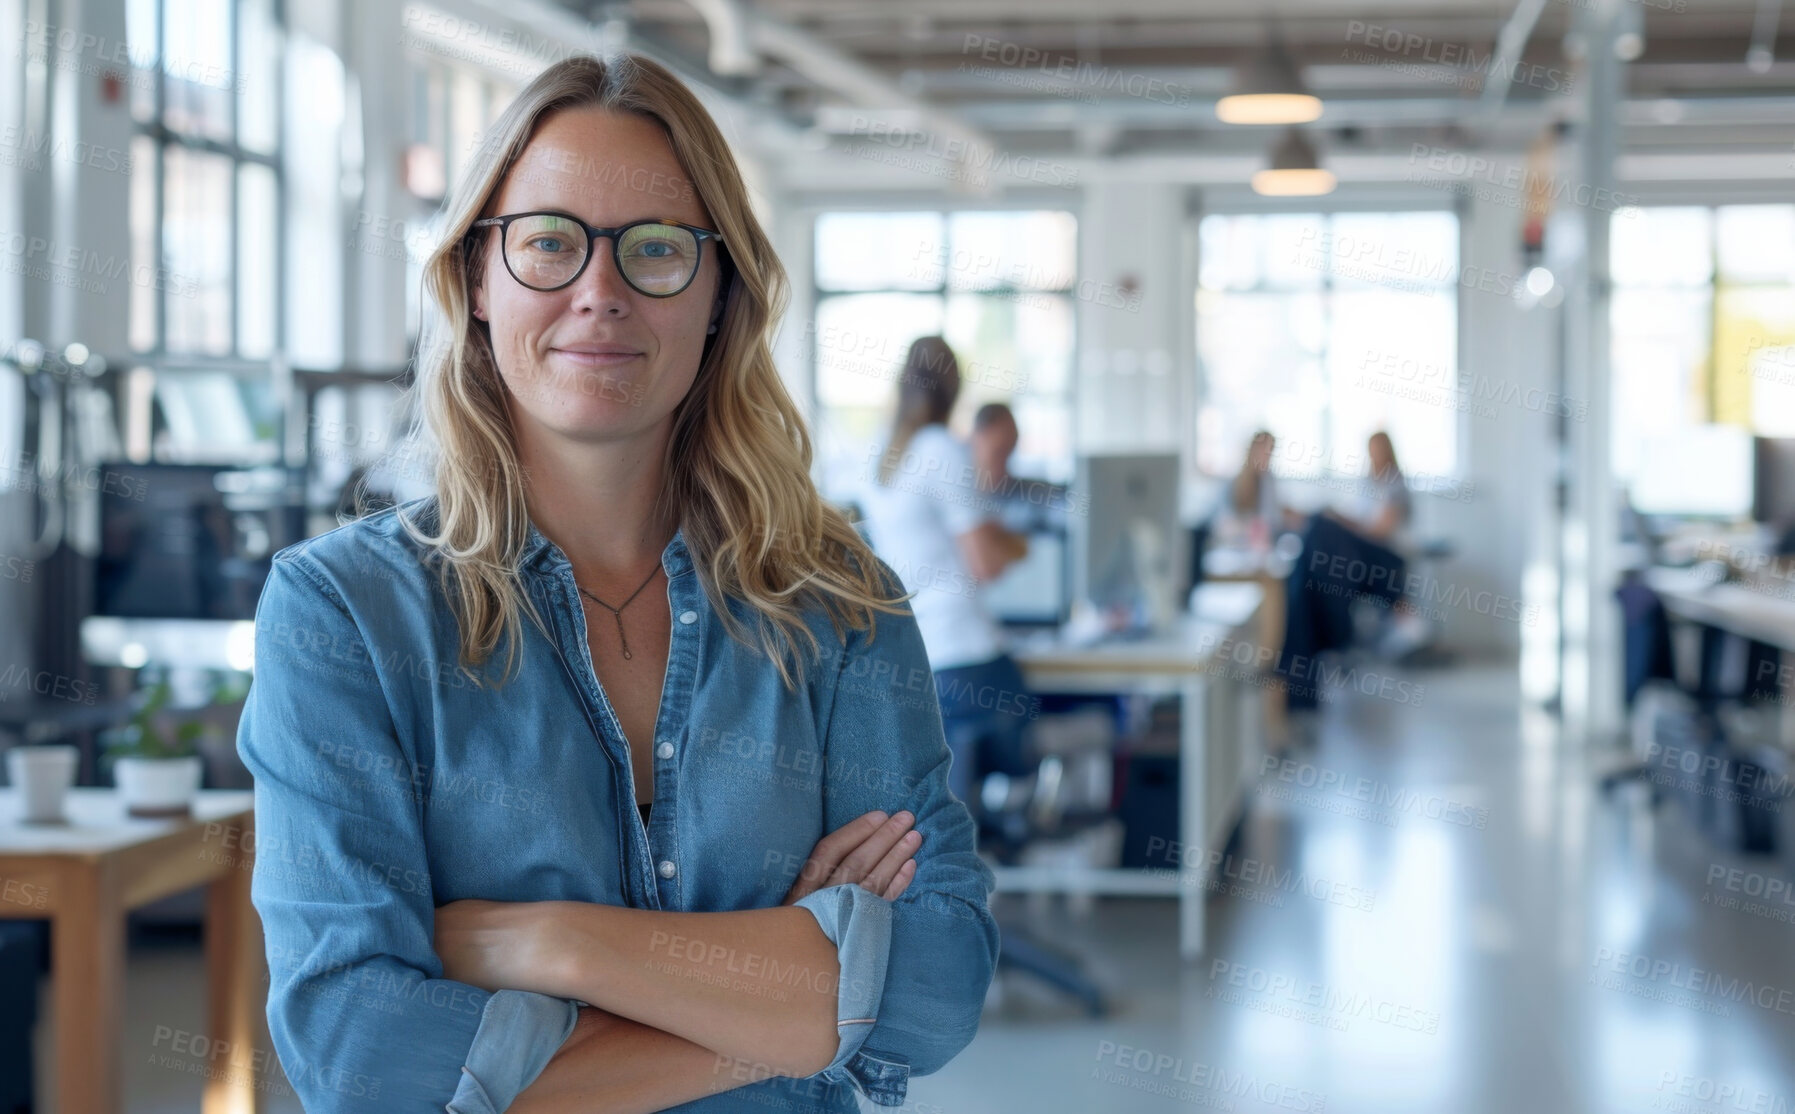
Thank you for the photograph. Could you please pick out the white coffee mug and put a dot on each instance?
(42, 775)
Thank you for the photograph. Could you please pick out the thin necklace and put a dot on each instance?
(617, 612)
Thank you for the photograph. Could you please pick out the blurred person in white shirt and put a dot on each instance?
(930, 518)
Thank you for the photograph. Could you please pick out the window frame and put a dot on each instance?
(808, 211)
(1327, 208)
(1711, 373)
(162, 138)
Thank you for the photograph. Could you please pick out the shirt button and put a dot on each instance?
(688, 617)
(667, 868)
(665, 750)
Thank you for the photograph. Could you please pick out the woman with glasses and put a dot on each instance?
(611, 770)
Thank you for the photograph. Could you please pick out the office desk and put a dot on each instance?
(1767, 616)
(84, 876)
(1764, 614)
(1218, 742)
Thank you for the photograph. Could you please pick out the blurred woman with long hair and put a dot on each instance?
(929, 516)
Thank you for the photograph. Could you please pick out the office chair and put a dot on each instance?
(1010, 812)
(1688, 696)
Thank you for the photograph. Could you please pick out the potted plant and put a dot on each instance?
(156, 775)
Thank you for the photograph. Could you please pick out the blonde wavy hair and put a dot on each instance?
(738, 460)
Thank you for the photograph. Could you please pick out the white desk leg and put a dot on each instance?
(1193, 872)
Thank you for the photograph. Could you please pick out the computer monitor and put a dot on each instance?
(1701, 471)
(192, 541)
(1128, 547)
(1773, 481)
(1032, 592)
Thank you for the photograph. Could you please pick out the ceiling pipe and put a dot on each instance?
(1761, 55)
(1511, 42)
(733, 23)
(732, 53)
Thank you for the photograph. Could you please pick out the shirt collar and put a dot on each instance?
(538, 550)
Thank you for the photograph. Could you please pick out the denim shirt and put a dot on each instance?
(388, 783)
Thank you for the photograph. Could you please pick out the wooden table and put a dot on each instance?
(1218, 749)
(84, 876)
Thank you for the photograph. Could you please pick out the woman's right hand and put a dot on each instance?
(876, 852)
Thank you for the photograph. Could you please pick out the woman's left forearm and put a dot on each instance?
(757, 985)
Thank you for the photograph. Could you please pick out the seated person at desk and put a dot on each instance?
(928, 519)
(1248, 514)
(1023, 505)
(1346, 555)
(1250, 510)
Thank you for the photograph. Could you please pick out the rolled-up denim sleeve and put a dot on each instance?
(913, 971)
(358, 1012)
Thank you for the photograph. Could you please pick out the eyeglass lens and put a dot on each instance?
(546, 251)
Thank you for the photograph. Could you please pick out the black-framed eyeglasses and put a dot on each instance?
(547, 250)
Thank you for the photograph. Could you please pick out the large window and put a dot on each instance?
(452, 108)
(997, 285)
(205, 187)
(1325, 328)
(1703, 322)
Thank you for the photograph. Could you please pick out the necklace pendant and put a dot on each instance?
(627, 656)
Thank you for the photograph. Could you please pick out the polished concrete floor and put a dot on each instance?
(1430, 909)
(1469, 928)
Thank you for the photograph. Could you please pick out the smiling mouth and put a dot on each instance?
(597, 359)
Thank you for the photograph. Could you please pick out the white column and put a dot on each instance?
(1133, 359)
(1592, 676)
(385, 221)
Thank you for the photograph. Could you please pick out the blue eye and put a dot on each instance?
(536, 242)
